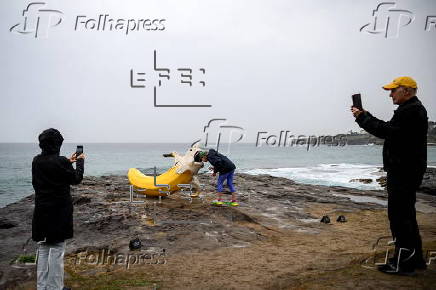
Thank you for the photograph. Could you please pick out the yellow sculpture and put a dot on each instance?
(182, 172)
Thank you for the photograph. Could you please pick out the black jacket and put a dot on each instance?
(405, 146)
(221, 163)
(51, 178)
(53, 215)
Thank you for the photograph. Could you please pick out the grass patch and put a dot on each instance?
(26, 259)
(110, 281)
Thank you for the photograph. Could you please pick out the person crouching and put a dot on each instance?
(226, 169)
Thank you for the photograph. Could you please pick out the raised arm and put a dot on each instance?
(407, 122)
(73, 176)
(376, 127)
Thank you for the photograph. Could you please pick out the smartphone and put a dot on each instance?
(79, 150)
(357, 101)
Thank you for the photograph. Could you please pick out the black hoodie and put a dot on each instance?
(220, 163)
(52, 176)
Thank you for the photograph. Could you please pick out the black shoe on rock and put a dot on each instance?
(391, 268)
(418, 265)
(421, 265)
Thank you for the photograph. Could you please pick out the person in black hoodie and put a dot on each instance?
(226, 170)
(405, 161)
(52, 221)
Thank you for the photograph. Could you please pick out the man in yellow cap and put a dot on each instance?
(405, 161)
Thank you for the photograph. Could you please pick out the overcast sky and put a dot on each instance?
(270, 66)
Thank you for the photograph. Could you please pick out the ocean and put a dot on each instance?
(323, 165)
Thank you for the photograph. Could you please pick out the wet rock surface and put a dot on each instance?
(362, 180)
(105, 219)
(429, 182)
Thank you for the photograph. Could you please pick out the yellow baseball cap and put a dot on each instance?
(407, 82)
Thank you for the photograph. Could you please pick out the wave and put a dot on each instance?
(328, 174)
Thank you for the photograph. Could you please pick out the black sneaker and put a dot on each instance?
(394, 270)
(421, 265)
(389, 267)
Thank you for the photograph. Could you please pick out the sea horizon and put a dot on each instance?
(321, 165)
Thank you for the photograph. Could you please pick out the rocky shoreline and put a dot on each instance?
(428, 184)
(271, 208)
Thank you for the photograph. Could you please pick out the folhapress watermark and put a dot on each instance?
(38, 19)
(218, 131)
(107, 257)
(104, 22)
(388, 20)
(285, 139)
(384, 249)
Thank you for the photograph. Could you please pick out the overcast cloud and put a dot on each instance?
(270, 66)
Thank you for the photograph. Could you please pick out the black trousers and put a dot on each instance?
(402, 213)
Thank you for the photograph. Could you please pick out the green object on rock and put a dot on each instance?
(26, 259)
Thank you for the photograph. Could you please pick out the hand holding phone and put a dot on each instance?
(79, 150)
(357, 101)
